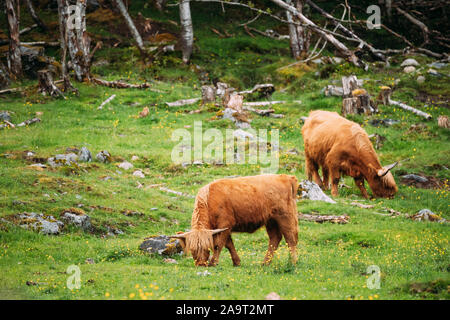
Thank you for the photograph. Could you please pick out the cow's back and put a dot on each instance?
(324, 130)
(248, 202)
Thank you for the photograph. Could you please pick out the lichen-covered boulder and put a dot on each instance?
(40, 222)
(310, 190)
(162, 245)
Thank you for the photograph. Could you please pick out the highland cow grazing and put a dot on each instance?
(242, 204)
(340, 146)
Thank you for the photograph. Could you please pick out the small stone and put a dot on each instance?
(273, 296)
(409, 69)
(4, 115)
(420, 79)
(204, 273)
(84, 155)
(125, 165)
(138, 173)
(103, 156)
(89, 261)
(78, 218)
(134, 158)
(45, 224)
(170, 260)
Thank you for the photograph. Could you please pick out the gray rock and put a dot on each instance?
(415, 177)
(139, 174)
(40, 222)
(84, 155)
(103, 156)
(82, 221)
(409, 69)
(410, 62)
(420, 79)
(125, 165)
(62, 160)
(162, 245)
(437, 65)
(310, 190)
(4, 115)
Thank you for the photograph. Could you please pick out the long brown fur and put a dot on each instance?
(340, 146)
(243, 204)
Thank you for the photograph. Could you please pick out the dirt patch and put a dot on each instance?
(423, 182)
(435, 287)
(436, 100)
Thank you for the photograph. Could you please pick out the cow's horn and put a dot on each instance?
(215, 231)
(180, 235)
(386, 169)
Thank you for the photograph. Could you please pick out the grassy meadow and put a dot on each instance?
(412, 256)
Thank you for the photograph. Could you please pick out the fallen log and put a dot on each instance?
(120, 84)
(385, 95)
(178, 193)
(320, 219)
(183, 102)
(106, 102)
(28, 122)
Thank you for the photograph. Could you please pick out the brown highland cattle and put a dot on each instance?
(242, 204)
(340, 146)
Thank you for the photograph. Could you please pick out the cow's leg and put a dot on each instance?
(274, 240)
(220, 240)
(326, 175)
(312, 170)
(335, 177)
(289, 229)
(234, 256)
(360, 183)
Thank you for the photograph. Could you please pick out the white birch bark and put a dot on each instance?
(187, 31)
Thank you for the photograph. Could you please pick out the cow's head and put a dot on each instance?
(198, 242)
(382, 181)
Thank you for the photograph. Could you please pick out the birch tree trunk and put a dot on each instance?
(343, 50)
(293, 36)
(187, 31)
(63, 16)
(14, 57)
(134, 32)
(78, 41)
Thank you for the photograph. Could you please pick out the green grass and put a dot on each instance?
(333, 259)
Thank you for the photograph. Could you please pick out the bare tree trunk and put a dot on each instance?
(303, 33)
(134, 32)
(343, 50)
(35, 16)
(293, 36)
(63, 17)
(78, 41)
(187, 32)
(14, 58)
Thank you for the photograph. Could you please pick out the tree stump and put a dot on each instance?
(46, 84)
(235, 102)
(208, 94)
(443, 122)
(349, 84)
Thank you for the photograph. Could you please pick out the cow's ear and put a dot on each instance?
(216, 231)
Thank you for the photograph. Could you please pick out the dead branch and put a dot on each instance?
(418, 23)
(183, 102)
(320, 219)
(106, 102)
(386, 97)
(120, 84)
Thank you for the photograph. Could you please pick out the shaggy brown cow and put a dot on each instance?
(242, 204)
(341, 146)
